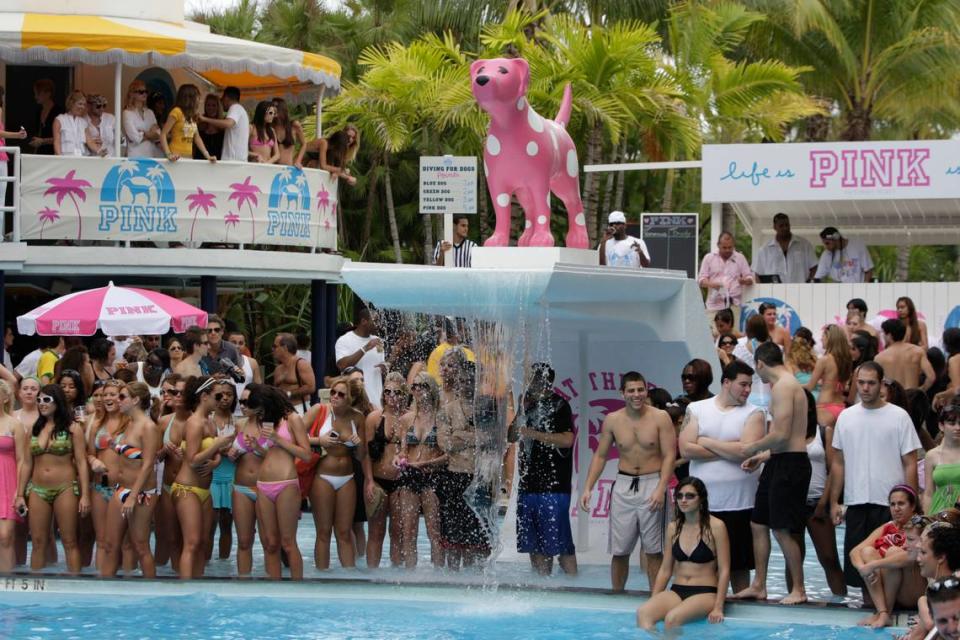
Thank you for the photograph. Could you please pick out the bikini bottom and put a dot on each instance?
(272, 490)
(178, 490)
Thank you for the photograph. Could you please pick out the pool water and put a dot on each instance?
(341, 611)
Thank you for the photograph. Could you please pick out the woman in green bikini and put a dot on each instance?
(54, 478)
(942, 464)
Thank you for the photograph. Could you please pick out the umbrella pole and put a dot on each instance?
(117, 107)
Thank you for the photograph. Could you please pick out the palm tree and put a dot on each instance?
(237, 21)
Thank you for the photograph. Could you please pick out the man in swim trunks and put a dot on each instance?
(712, 437)
(647, 443)
(875, 447)
(904, 362)
(782, 493)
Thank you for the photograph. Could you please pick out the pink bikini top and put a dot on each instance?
(256, 142)
(283, 431)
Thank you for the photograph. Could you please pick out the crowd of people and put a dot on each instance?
(212, 127)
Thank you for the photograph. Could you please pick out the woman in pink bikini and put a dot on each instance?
(832, 373)
(263, 137)
(333, 495)
(249, 448)
(283, 436)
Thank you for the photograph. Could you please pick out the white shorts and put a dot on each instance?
(631, 518)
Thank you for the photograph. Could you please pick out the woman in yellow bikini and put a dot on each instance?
(53, 478)
(135, 495)
(172, 424)
(102, 459)
(191, 488)
(284, 437)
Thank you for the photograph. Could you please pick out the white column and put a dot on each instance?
(448, 237)
(716, 223)
(319, 132)
(117, 106)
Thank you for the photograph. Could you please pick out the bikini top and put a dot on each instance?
(256, 142)
(101, 440)
(429, 440)
(166, 432)
(328, 427)
(701, 553)
(128, 451)
(205, 443)
(60, 445)
(240, 444)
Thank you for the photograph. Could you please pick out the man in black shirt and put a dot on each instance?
(544, 428)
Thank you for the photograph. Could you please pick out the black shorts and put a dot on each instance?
(861, 520)
(416, 480)
(741, 538)
(782, 493)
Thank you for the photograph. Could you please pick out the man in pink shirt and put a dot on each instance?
(723, 273)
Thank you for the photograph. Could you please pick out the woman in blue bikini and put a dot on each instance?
(700, 575)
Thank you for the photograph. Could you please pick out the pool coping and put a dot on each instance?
(33, 587)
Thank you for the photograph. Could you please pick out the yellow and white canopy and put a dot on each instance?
(62, 39)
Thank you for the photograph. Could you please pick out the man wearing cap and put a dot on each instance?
(843, 259)
(620, 250)
(786, 256)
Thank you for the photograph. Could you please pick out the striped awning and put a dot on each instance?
(63, 39)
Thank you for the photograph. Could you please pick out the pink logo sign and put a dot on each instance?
(136, 310)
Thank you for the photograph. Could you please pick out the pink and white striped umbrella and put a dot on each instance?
(117, 311)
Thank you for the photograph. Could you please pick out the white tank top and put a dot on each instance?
(247, 379)
(155, 392)
(818, 461)
(730, 488)
(72, 135)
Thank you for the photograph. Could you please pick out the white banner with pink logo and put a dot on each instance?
(902, 170)
(189, 201)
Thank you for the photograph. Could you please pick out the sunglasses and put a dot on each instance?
(122, 396)
(44, 399)
(243, 402)
(171, 392)
(687, 496)
(143, 91)
(175, 348)
(688, 376)
(215, 329)
(338, 394)
(419, 386)
(221, 395)
(393, 392)
(943, 585)
(728, 343)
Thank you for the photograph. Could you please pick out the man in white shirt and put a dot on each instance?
(875, 447)
(788, 257)
(620, 250)
(236, 127)
(362, 349)
(843, 259)
(28, 366)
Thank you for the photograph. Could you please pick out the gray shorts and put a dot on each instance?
(630, 517)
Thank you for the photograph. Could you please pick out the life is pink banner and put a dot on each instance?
(897, 170)
(189, 201)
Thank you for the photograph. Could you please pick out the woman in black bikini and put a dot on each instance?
(384, 431)
(701, 575)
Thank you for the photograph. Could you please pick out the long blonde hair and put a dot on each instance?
(425, 378)
(838, 347)
(136, 84)
(801, 355)
(6, 408)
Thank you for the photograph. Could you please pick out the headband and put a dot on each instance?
(905, 488)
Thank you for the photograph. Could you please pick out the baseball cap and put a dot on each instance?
(617, 216)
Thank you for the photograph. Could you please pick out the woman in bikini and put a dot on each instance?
(889, 570)
(263, 138)
(422, 462)
(173, 420)
(832, 372)
(247, 451)
(700, 575)
(383, 434)
(27, 415)
(191, 488)
(289, 133)
(53, 478)
(14, 448)
(72, 385)
(334, 492)
(102, 357)
(334, 153)
(916, 328)
(135, 495)
(103, 460)
(221, 488)
(282, 434)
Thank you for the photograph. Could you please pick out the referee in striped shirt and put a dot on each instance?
(462, 246)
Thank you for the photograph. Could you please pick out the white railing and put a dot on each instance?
(14, 208)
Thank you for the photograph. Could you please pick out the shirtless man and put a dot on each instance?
(778, 334)
(782, 494)
(647, 443)
(195, 345)
(902, 361)
(292, 374)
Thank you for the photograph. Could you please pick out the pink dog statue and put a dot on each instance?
(526, 155)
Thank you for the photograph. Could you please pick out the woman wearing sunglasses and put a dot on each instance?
(334, 491)
(221, 488)
(423, 461)
(27, 415)
(102, 459)
(191, 488)
(698, 560)
(53, 478)
(725, 346)
(175, 349)
(889, 572)
(383, 433)
(135, 496)
(247, 451)
(284, 438)
(173, 421)
(13, 449)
